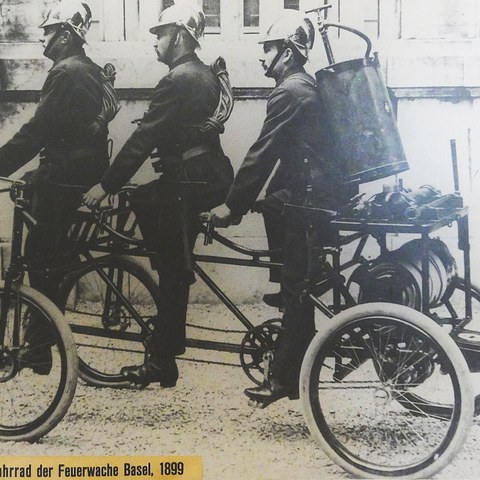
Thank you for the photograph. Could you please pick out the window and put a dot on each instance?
(440, 20)
(96, 33)
(361, 14)
(211, 8)
(292, 4)
(251, 17)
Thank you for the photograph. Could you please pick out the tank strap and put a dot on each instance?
(304, 77)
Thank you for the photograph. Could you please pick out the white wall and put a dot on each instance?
(424, 59)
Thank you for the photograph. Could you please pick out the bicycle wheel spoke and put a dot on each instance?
(107, 334)
(38, 370)
(403, 403)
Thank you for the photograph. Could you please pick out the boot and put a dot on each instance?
(273, 299)
(270, 392)
(39, 339)
(164, 371)
(38, 358)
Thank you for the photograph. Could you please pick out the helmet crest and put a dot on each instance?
(186, 14)
(73, 13)
(294, 29)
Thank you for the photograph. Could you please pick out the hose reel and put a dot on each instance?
(396, 276)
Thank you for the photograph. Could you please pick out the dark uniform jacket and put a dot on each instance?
(292, 131)
(186, 96)
(70, 101)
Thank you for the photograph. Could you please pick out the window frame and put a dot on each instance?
(250, 29)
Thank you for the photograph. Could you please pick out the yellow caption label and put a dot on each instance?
(138, 468)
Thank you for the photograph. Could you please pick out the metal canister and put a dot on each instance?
(363, 133)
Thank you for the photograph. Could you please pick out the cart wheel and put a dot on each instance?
(386, 392)
(259, 341)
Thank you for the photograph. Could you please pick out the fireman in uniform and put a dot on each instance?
(292, 132)
(182, 101)
(73, 150)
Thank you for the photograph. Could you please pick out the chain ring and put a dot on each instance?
(259, 341)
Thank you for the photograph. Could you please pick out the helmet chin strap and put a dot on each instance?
(171, 45)
(280, 52)
(55, 37)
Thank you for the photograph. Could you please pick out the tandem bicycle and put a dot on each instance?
(396, 338)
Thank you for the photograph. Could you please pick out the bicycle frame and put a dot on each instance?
(118, 238)
(15, 272)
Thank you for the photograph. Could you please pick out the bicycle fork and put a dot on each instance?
(13, 278)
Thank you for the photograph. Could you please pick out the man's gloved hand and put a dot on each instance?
(221, 216)
(258, 206)
(94, 196)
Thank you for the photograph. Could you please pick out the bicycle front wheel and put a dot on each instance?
(38, 366)
(386, 392)
(103, 319)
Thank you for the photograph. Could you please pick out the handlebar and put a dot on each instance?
(209, 228)
(207, 219)
(14, 183)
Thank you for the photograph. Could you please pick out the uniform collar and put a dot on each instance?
(290, 72)
(189, 57)
(73, 53)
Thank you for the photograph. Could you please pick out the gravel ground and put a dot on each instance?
(206, 415)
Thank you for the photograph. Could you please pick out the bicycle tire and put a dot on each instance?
(33, 404)
(353, 374)
(107, 342)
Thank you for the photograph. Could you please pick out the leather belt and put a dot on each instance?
(195, 152)
(56, 156)
(169, 161)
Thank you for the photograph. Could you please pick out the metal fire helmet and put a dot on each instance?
(76, 14)
(294, 29)
(185, 14)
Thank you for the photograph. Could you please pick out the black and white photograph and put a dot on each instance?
(243, 232)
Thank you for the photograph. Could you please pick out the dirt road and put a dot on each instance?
(207, 415)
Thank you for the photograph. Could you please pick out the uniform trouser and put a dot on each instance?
(160, 221)
(46, 248)
(52, 206)
(46, 242)
(298, 320)
(271, 208)
(275, 230)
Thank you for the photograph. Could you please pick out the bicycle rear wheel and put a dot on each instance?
(386, 392)
(107, 335)
(35, 390)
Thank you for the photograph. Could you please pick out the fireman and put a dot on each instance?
(73, 150)
(292, 132)
(174, 125)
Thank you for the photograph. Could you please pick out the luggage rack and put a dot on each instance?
(379, 228)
